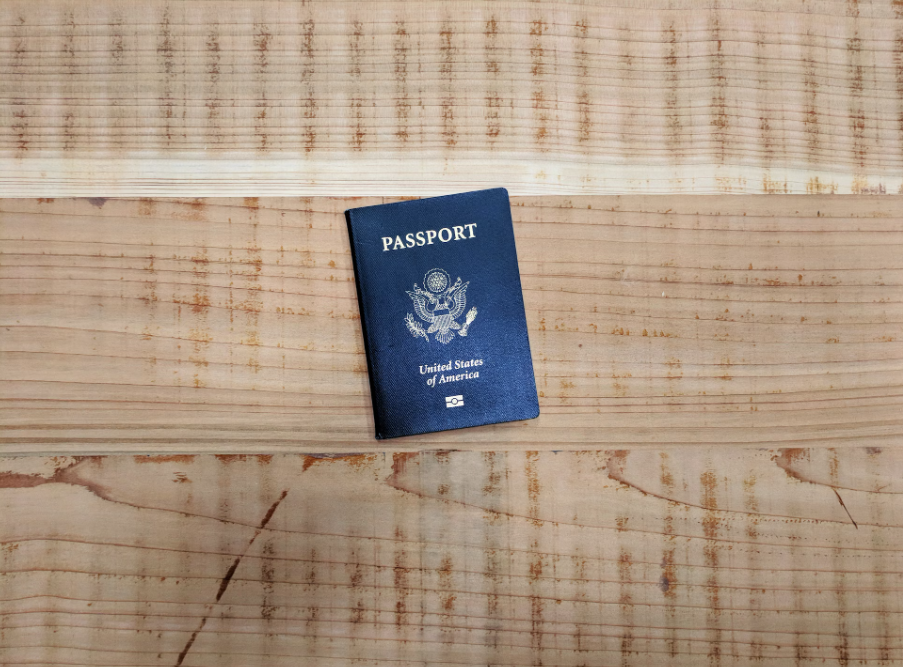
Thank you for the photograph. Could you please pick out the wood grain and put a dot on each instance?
(232, 325)
(259, 97)
(706, 556)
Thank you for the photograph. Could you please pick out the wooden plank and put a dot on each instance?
(702, 556)
(260, 97)
(232, 325)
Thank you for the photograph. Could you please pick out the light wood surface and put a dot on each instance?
(218, 97)
(232, 325)
(689, 557)
(716, 473)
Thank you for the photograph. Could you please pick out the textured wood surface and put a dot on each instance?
(763, 334)
(694, 557)
(232, 325)
(217, 97)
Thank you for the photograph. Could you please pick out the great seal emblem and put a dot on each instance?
(439, 306)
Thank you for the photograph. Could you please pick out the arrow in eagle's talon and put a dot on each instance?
(471, 316)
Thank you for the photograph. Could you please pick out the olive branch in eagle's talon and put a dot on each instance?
(471, 316)
(414, 327)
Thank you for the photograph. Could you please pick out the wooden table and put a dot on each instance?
(187, 469)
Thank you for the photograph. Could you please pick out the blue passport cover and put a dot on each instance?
(442, 313)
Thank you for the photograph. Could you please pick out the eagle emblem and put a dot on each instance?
(439, 306)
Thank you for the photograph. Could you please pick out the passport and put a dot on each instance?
(442, 313)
